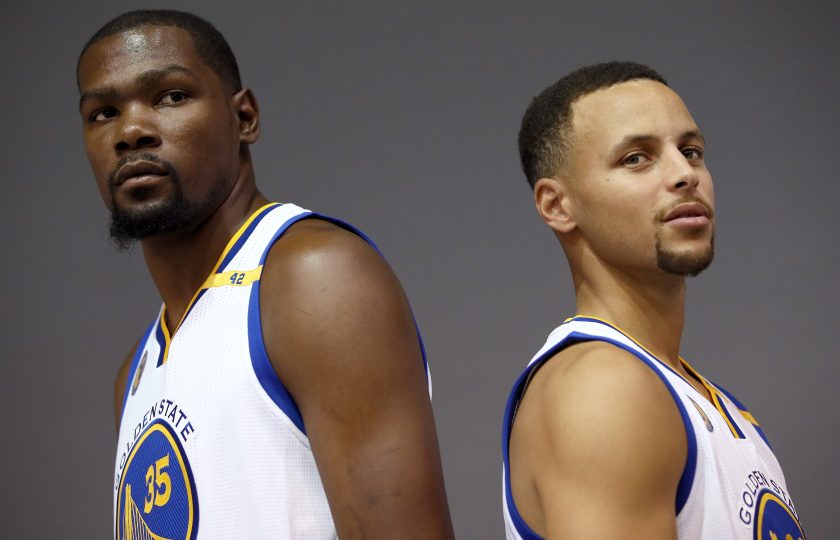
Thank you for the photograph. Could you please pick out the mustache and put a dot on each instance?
(660, 216)
(133, 158)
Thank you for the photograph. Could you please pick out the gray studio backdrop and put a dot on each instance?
(401, 118)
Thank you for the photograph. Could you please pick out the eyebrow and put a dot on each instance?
(631, 140)
(150, 76)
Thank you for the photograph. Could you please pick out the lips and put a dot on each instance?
(687, 210)
(138, 170)
(689, 215)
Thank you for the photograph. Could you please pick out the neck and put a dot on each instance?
(651, 308)
(180, 262)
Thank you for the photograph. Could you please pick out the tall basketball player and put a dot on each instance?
(609, 432)
(281, 391)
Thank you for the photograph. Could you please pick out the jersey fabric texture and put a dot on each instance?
(732, 485)
(211, 444)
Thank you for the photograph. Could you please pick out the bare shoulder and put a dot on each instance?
(316, 254)
(322, 281)
(592, 392)
(595, 420)
(339, 332)
(600, 375)
(328, 297)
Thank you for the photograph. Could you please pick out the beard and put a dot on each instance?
(168, 215)
(684, 263)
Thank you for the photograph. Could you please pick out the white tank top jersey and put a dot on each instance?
(732, 486)
(211, 444)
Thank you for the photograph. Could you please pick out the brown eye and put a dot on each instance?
(104, 114)
(634, 160)
(173, 97)
(692, 153)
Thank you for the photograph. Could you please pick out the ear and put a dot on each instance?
(248, 114)
(553, 203)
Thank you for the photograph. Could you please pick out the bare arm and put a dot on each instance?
(119, 386)
(338, 330)
(597, 448)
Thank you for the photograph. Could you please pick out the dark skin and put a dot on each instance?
(334, 315)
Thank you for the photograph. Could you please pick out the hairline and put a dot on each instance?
(162, 24)
(566, 143)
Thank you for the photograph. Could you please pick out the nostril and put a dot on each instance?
(145, 141)
(122, 145)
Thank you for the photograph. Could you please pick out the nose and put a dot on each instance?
(682, 174)
(137, 130)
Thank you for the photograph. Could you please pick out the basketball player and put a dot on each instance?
(281, 392)
(609, 433)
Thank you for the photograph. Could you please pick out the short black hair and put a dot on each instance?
(544, 134)
(208, 42)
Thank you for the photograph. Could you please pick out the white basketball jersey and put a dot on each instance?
(731, 487)
(211, 444)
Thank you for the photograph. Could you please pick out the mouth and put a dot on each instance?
(689, 214)
(139, 172)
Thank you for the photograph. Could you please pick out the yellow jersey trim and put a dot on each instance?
(713, 392)
(253, 275)
(233, 278)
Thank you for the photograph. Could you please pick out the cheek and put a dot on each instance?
(205, 138)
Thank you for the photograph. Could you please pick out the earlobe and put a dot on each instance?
(248, 115)
(553, 204)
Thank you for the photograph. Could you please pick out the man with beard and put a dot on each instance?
(282, 390)
(609, 433)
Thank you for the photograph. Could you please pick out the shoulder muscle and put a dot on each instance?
(598, 431)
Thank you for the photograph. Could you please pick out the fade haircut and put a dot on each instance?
(209, 43)
(545, 132)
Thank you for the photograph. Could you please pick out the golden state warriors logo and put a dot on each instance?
(140, 368)
(775, 520)
(157, 496)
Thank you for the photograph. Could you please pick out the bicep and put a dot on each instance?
(344, 341)
(613, 451)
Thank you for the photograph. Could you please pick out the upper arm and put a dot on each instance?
(120, 384)
(339, 332)
(598, 448)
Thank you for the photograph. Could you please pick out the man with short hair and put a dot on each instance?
(609, 433)
(282, 390)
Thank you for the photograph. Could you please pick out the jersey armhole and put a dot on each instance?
(263, 369)
(687, 477)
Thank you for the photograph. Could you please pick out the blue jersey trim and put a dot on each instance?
(244, 238)
(141, 346)
(687, 477)
(161, 340)
(741, 407)
(510, 411)
(264, 370)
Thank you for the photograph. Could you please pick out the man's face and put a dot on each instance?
(160, 133)
(639, 187)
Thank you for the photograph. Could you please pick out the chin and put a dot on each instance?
(685, 263)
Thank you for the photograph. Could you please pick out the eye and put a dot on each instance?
(692, 152)
(173, 97)
(103, 114)
(634, 159)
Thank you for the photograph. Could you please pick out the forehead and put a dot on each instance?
(640, 107)
(136, 50)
